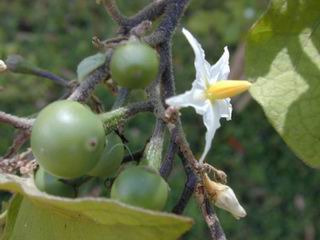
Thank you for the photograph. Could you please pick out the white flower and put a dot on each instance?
(3, 66)
(224, 197)
(209, 94)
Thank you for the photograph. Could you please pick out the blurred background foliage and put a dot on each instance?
(280, 193)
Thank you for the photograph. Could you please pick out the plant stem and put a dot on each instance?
(209, 215)
(153, 151)
(188, 189)
(17, 122)
(167, 165)
(83, 91)
(114, 12)
(150, 13)
(51, 76)
(122, 96)
(118, 116)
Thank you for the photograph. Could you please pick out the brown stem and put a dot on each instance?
(17, 122)
(51, 76)
(173, 12)
(86, 87)
(114, 12)
(188, 189)
(162, 37)
(209, 215)
(167, 164)
(19, 139)
(150, 13)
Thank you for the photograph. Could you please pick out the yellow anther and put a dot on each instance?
(227, 88)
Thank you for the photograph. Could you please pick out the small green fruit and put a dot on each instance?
(134, 65)
(52, 185)
(67, 139)
(141, 187)
(110, 159)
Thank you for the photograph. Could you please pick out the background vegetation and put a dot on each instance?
(280, 193)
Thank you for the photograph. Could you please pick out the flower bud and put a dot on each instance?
(3, 66)
(224, 197)
(227, 88)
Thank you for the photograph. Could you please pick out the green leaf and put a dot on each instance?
(33, 215)
(284, 61)
(11, 216)
(89, 64)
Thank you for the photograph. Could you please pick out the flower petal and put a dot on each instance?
(224, 108)
(3, 66)
(200, 63)
(227, 200)
(211, 120)
(221, 69)
(194, 98)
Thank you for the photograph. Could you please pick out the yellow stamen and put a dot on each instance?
(227, 88)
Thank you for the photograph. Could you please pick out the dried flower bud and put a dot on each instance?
(224, 197)
(3, 66)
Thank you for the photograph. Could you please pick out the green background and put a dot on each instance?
(280, 193)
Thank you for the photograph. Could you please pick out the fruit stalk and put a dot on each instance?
(17, 64)
(17, 122)
(113, 118)
(153, 151)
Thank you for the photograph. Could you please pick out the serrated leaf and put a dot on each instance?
(89, 64)
(42, 216)
(283, 58)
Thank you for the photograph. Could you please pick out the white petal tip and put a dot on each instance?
(184, 31)
(3, 66)
(240, 213)
(226, 52)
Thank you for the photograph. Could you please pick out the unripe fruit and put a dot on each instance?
(67, 139)
(52, 185)
(141, 187)
(134, 65)
(110, 159)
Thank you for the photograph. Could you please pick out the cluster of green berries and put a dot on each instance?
(69, 141)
